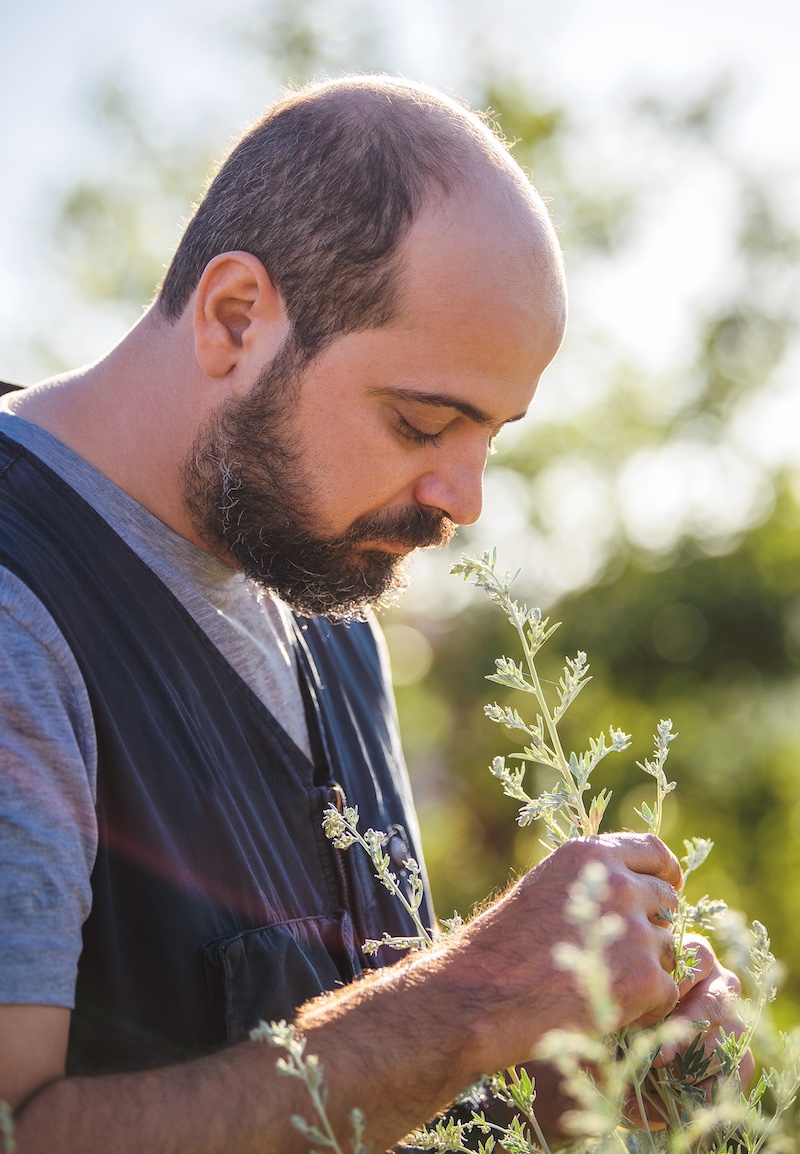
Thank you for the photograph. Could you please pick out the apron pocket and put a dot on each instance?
(268, 972)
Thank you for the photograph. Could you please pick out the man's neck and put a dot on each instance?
(129, 415)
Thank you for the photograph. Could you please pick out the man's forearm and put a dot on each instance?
(396, 1045)
(402, 1043)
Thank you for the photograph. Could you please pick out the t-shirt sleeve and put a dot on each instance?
(48, 828)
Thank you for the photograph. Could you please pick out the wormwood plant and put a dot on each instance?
(617, 1090)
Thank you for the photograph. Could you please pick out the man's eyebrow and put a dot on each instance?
(445, 401)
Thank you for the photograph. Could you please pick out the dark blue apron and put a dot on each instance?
(217, 899)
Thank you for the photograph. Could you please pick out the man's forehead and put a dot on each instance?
(497, 236)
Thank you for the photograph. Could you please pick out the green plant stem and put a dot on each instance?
(660, 795)
(388, 879)
(552, 727)
(637, 1089)
(665, 1103)
(530, 1114)
(322, 1114)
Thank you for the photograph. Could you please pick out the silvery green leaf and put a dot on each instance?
(498, 767)
(450, 925)
(510, 674)
(664, 734)
(619, 739)
(697, 850)
(539, 754)
(646, 813)
(504, 715)
(540, 807)
(704, 914)
(598, 808)
(511, 779)
(537, 630)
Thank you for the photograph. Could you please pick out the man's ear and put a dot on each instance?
(237, 312)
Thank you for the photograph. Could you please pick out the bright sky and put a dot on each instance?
(179, 55)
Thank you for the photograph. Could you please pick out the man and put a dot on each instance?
(368, 293)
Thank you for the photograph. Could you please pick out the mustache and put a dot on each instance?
(415, 526)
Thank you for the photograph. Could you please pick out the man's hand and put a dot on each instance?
(709, 995)
(507, 951)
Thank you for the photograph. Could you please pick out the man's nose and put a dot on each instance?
(456, 488)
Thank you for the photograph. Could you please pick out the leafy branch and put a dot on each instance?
(676, 1094)
(342, 829)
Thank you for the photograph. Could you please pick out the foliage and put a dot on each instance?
(725, 625)
(638, 500)
(616, 1088)
(342, 829)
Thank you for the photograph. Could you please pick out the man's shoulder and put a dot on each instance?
(9, 449)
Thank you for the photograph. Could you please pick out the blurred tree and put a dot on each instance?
(121, 216)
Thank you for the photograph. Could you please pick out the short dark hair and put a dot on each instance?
(322, 190)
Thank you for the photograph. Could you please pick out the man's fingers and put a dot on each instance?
(709, 995)
(641, 876)
(637, 866)
(661, 1005)
(659, 992)
(669, 959)
(662, 901)
(711, 999)
(644, 853)
(714, 1003)
(704, 963)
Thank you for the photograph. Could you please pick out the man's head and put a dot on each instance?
(423, 296)
(323, 189)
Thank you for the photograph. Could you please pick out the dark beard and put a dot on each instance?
(251, 503)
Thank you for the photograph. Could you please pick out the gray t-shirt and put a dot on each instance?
(48, 754)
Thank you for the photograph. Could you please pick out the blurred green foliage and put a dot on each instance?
(712, 642)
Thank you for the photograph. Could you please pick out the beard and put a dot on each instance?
(251, 500)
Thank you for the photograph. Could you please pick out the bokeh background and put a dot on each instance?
(652, 500)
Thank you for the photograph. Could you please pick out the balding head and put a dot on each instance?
(326, 186)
